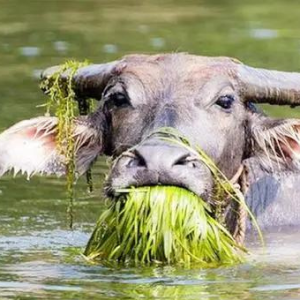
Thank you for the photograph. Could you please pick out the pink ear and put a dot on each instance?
(279, 143)
(30, 147)
(290, 150)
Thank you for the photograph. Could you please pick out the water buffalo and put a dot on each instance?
(207, 99)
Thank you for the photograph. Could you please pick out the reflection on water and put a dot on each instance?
(39, 256)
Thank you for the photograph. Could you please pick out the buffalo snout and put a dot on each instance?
(156, 162)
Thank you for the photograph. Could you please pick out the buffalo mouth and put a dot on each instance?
(161, 224)
(114, 193)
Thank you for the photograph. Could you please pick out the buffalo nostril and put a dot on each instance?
(136, 160)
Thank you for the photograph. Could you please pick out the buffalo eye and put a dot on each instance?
(225, 102)
(117, 99)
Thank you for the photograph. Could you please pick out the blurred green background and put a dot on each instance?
(35, 34)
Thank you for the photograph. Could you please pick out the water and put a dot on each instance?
(39, 256)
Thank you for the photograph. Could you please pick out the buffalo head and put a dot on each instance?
(207, 99)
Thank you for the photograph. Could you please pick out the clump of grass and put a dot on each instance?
(162, 224)
(65, 106)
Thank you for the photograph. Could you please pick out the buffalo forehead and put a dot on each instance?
(178, 58)
(172, 65)
(164, 76)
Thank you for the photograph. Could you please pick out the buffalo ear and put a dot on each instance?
(276, 142)
(30, 147)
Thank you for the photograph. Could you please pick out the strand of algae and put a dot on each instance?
(62, 103)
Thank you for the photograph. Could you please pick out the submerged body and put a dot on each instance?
(274, 199)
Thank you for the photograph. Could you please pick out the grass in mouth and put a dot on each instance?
(162, 224)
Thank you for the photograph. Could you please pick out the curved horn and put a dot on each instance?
(89, 81)
(266, 86)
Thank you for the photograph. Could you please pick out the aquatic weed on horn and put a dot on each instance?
(65, 106)
(166, 224)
